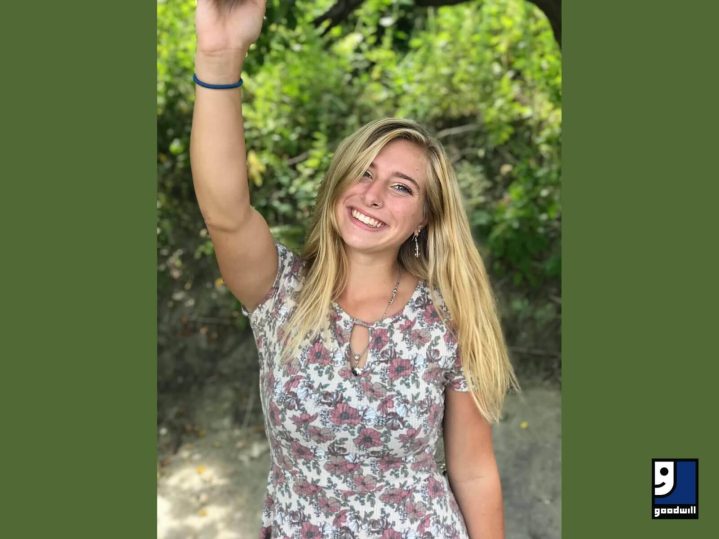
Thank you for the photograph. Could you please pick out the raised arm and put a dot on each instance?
(243, 245)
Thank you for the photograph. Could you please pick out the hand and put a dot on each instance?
(228, 26)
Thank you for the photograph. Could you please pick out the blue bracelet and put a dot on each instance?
(216, 86)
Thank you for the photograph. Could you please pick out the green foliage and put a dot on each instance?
(485, 76)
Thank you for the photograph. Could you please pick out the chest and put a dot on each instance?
(395, 406)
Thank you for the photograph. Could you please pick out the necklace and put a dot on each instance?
(355, 357)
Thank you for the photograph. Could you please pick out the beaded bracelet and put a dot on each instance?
(204, 84)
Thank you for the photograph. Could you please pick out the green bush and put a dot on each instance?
(484, 76)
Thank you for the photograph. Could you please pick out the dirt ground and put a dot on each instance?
(211, 485)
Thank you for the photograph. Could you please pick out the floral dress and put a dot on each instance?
(353, 456)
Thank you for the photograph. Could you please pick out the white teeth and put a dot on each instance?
(366, 219)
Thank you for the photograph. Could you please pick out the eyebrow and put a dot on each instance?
(402, 175)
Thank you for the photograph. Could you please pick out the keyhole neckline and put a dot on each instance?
(382, 321)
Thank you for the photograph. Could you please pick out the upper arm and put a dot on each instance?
(467, 438)
(247, 258)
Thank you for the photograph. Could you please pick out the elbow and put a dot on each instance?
(227, 222)
(472, 472)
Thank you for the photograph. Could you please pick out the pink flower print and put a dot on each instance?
(330, 398)
(391, 534)
(433, 355)
(297, 264)
(368, 438)
(424, 524)
(419, 337)
(344, 414)
(399, 368)
(329, 506)
(292, 367)
(306, 489)
(320, 435)
(310, 531)
(303, 419)
(389, 462)
(269, 502)
(410, 439)
(378, 339)
(299, 451)
(275, 415)
(449, 338)
(346, 371)
(365, 483)
(318, 354)
(433, 374)
(435, 414)
(341, 519)
(430, 315)
(374, 390)
(435, 488)
(292, 383)
(339, 465)
(407, 325)
(395, 496)
(281, 335)
(284, 461)
(392, 421)
(414, 510)
(386, 405)
(278, 476)
(423, 463)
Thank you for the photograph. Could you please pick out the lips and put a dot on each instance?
(366, 219)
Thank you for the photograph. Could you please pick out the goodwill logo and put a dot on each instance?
(675, 488)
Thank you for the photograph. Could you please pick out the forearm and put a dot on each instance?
(217, 144)
(480, 501)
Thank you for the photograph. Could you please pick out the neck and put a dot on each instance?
(369, 275)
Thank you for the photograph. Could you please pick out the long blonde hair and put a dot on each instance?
(449, 261)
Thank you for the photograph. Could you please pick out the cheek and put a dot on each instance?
(416, 213)
(338, 215)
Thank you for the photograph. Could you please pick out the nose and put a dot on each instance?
(372, 195)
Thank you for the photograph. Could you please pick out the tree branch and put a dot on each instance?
(340, 10)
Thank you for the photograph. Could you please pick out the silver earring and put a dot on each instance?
(416, 246)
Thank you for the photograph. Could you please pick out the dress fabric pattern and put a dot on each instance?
(353, 456)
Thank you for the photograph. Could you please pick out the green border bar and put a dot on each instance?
(78, 286)
(640, 290)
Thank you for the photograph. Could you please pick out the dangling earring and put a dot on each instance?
(416, 245)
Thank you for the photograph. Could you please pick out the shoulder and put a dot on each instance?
(431, 307)
(290, 270)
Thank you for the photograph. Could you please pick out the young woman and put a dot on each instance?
(382, 333)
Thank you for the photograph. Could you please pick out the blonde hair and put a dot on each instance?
(449, 261)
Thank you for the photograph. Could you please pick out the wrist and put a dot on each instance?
(220, 67)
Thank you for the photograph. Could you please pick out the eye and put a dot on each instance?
(402, 188)
(367, 175)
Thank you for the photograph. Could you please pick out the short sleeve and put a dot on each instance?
(455, 376)
(288, 267)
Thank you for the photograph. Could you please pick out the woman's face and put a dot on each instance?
(378, 212)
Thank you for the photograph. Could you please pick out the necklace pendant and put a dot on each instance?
(356, 371)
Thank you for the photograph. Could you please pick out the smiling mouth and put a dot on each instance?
(366, 219)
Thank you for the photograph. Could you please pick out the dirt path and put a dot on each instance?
(213, 487)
